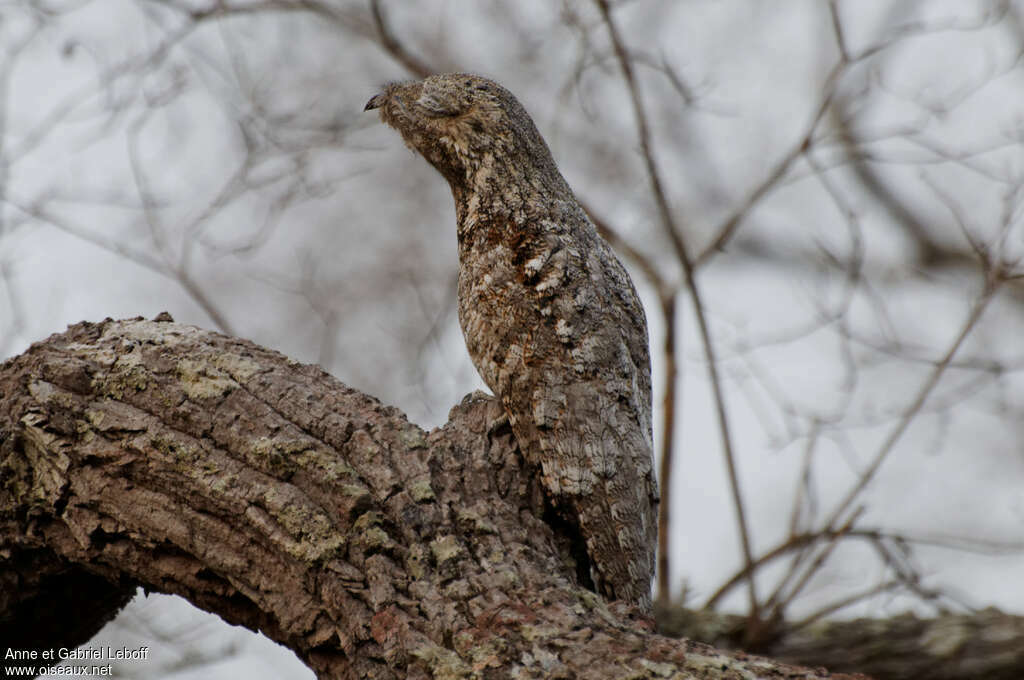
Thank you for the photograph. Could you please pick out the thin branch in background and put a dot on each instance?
(792, 543)
(959, 218)
(897, 555)
(325, 302)
(989, 289)
(902, 215)
(9, 60)
(854, 265)
(436, 320)
(78, 98)
(16, 321)
(114, 246)
(679, 245)
(181, 274)
(725, 231)
(930, 250)
(644, 263)
(670, 348)
(728, 228)
(392, 46)
(780, 602)
(805, 489)
(188, 640)
(842, 603)
(919, 28)
(777, 427)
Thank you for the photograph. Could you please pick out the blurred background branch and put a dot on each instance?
(820, 203)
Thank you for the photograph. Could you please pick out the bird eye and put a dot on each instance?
(436, 105)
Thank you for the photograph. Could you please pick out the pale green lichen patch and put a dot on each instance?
(317, 550)
(375, 539)
(471, 519)
(128, 374)
(548, 660)
(658, 670)
(588, 601)
(421, 491)
(363, 446)
(280, 456)
(297, 518)
(85, 430)
(202, 380)
(945, 638)
(370, 537)
(504, 578)
(539, 633)
(187, 458)
(237, 366)
(95, 417)
(463, 641)
(150, 332)
(328, 465)
(367, 520)
(444, 664)
(102, 355)
(415, 562)
(699, 664)
(487, 654)
(357, 493)
(412, 437)
(315, 536)
(47, 393)
(223, 484)
(445, 549)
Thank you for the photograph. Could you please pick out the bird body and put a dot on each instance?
(550, 317)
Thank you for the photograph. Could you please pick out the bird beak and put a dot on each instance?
(376, 101)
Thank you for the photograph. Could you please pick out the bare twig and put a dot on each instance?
(980, 304)
(805, 489)
(679, 245)
(779, 602)
(644, 263)
(394, 47)
(180, 272)
(841, 603)
(966, 544)
(668, 311)
(725, 232)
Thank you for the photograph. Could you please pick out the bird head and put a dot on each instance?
(462, 124)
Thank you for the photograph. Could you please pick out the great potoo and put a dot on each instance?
(550, 317)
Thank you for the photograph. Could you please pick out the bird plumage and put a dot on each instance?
(550, 317)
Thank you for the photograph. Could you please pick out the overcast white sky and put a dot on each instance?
(237, 162)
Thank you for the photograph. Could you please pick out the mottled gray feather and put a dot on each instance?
(551, 319)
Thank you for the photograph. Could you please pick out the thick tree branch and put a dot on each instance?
(146, 452)
(985, 644)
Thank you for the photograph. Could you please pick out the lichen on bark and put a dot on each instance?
(286, 502)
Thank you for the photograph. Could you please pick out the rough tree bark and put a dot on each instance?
(150, 453)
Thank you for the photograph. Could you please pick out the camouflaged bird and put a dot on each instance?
(551, 319)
